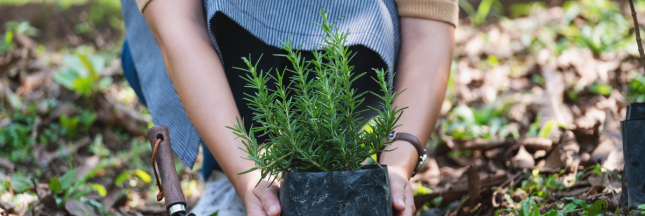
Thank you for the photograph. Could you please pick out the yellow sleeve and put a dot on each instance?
(439, 10)
(142, 4)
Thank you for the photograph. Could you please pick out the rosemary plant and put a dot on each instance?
(314, 124)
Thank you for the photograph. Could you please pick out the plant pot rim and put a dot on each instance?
(364, 167)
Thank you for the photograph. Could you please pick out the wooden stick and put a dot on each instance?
(638, 33)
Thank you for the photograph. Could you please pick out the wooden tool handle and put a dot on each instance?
(166, 164)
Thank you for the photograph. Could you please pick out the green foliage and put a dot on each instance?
(20, 183)
(523, 9)
(132, 155)
(314, 124)
(530, 208)
(605, 28)
(467, 123)
(539, 185)
(15, 138)
(83, 74)
(98, 148)
(641, 208)
(636, 88)
(545, 130)
(49, 134)
(483, 10)
(131, 174)
(86, 118)
(421, 189)
(601, 89)
(69, 186)
(11, 29)
(70, 124)
(578, 205)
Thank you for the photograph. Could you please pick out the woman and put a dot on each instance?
(179, 58)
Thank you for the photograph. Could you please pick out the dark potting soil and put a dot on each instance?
(361, 192)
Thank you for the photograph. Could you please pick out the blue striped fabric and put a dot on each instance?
(371, 23)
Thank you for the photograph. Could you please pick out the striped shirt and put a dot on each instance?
(371, 23)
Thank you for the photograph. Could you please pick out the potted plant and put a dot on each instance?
(315, 142)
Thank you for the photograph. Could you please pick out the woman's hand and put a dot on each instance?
(402, 198)
(263, 199)
(400, 165)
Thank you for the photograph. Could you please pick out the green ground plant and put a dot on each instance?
(11, 29)
(530, 208)
(314, 124)
(536, 131)
(538, 185)
(478, 17)
(15, 138)
(489, 122)
(69, 186)
(82, 74)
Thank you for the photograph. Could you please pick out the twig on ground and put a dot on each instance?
(474, 185)
(571, 193)
(46, 157)
(457, 192)
(637, 31)
(534, 143)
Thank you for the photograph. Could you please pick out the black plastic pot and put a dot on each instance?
(633, 131)
(361, 192)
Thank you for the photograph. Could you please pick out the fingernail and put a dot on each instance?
(400, 202)
(273, 210)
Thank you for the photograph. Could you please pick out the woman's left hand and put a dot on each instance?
(402, 198)
(400, 165)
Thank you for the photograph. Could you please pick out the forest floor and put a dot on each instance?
(531, 119)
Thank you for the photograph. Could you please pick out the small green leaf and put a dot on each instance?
(68, 178)
(597, 208)
(121, 178)
(54, 185)
(66, 77)
(553, 212)
(83, 85)
(100, 189)
(601, 89)
(142, 175)
(20, 183)
(465, 113)
(547, 128)
(421, 190)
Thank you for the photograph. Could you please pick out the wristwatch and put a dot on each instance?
(412, 140)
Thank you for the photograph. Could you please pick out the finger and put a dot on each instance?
(398, 193)
(254, 206)
(410, 209)
(269, 197)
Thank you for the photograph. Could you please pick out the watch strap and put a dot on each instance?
(412, 140)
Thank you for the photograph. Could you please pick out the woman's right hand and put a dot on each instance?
(263, 199)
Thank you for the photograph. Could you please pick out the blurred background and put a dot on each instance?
(536, 95)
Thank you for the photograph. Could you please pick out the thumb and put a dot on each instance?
(269, 197)
(398, 192)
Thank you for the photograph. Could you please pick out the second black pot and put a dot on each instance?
(361, 192)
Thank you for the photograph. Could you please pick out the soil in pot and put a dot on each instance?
(361, 192)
